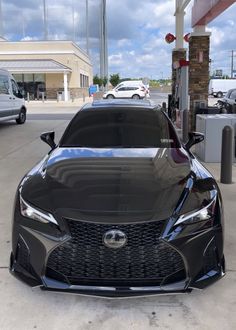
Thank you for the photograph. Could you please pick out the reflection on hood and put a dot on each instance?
(122, 184)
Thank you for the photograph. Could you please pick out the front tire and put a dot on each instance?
(136, 97)
(22, 117)
(110, 96)
(219, 95)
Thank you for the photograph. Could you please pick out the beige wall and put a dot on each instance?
(54, 80)
(64, 52)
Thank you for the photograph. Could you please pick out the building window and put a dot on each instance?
(31, 84)
(84, 81)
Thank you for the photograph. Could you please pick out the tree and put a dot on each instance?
(114, 79)
(104, 81)
(97, 81)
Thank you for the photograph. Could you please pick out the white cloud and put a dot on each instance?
(29, 38)
(124, 43)
(136, 31)
(115, 59)
(217, 36)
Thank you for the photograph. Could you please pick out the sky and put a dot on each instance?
(136, 32)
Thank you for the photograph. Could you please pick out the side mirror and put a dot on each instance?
(194, 138)
(48, 138)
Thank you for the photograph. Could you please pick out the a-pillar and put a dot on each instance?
(66, 98)
(199, 47)
(177, 55)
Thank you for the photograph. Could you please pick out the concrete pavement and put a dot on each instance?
(52, 106)
(24, 308)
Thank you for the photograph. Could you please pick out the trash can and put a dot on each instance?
(59, 96)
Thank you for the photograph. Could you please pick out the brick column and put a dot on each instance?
(177, 54)
(199, 46)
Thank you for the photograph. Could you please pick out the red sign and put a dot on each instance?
(169, 38)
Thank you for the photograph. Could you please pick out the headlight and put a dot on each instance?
(203, 214)
(31, 212)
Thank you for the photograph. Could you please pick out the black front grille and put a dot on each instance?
(85, 259)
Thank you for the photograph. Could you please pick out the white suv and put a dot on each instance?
(126, 92)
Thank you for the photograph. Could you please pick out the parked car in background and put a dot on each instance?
(230, 97)
(120, 207)
(127, 92)
(228, 103)
(139, 83)
(12, 103)
(219, 87)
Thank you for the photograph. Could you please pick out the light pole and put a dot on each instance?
(1, 23)
(232, 64)
(73, 20)
(103, 45)
(87, 27)
(45, 20)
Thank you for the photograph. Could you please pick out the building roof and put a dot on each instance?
(33, 66)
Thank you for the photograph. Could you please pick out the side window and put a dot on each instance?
(4, 85)
(121, 89)
(14, 88)
(233, 95)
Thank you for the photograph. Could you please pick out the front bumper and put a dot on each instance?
(201, 252)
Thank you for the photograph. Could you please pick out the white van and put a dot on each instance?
(12, 103)
(219, 87)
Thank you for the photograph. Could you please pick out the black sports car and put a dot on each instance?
(118, 208)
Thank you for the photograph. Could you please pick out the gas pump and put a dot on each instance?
(180, 100)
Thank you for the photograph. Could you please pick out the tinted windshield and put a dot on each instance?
(117, 128)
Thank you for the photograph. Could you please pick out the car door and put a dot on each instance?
(16, 100)
(5, 96)
(122, 93)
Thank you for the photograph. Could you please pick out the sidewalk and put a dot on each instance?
(52, 106)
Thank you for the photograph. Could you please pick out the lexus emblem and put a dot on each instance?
(114, 239)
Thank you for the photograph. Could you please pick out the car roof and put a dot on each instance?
(121, 103)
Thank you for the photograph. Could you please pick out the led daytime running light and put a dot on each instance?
(200, 215)
(29, 211)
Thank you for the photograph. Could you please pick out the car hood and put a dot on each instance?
(112, 185)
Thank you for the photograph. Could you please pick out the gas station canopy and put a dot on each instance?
(204, 12)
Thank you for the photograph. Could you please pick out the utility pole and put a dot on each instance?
(45, 20)
(103, 46)
(23, 25)
(232, 64)
(1, 17)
